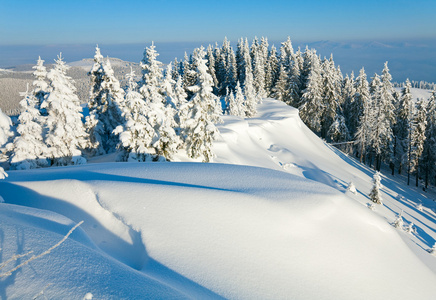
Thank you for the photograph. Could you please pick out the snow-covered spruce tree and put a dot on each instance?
(246, 65)
(189, 75)
(348, 94)
(375, 195)
(402, 126)
(251, 97)
(5, 129)
(388, 99)
(66, 135)
(271, 70)
(294, 82)
(338, 131)
(230, 97)
(211, 66)
(259, 73)
(28, 146)
(6, 136)
(159, 116)
(361, 112)
(40, 84)
(281, 88)
(286, 53)
(136, 134)
(201, 113)
(312, 107)
(106, 97)
(236, 102)
(429, 153)
(330, 95)
(418, 136)
(381, 130)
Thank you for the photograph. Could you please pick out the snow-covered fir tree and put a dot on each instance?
(211, 66)
(361, 110)
(236, 102)
(201, 113)
(375, 195)
(429, 153)
(258, 70)
(418, 136)
(66, 135)
(286, 53)
(40, 84)
(294, 82)
(380, 140)
(348, 94)
(330, 96)
(281, 89)
(338, 131)
(106, 98)
(5, 129)
(251, 97)
(6, 136)
(29, 148)
(159, 116)
(136, 134)
(311, 107)
(402, 126)
(271, 70)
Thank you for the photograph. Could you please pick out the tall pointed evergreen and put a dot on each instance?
(311, 107)
(29, 148)
(402, 126)
(66, 135)
(429, 154)
(135, 134)
(418, 136)
(201, 113)
(361, 110)
(159, 116)
(40, 84)
(106, 97)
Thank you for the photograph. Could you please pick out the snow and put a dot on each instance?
(270, 219)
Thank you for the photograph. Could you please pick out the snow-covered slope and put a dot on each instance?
(287, 230)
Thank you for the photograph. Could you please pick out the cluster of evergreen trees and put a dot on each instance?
(161, 111)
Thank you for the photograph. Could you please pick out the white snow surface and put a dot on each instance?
(271, 219)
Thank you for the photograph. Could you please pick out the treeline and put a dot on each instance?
(161, 111)
(418, 85)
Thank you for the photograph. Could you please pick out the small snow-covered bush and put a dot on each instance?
(432, 251)
(374, 195)
(398, 223)
(420, 207)
(410, 228)
(371, 206)
(351, 188)
(3, 174)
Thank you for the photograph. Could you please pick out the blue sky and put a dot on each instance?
(45, 22)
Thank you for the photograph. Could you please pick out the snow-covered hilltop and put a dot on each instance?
(287, 230)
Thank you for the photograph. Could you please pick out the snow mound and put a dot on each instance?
(207, 229)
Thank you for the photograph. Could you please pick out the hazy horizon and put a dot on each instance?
(413, 59)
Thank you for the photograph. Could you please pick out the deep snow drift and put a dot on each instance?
(184, 229)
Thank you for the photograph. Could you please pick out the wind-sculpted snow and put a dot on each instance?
(239, 232)
(283, 226)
